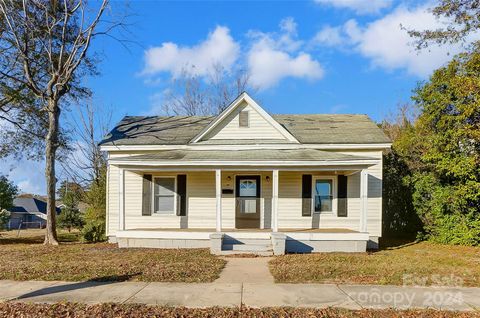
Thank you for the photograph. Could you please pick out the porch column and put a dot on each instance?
(121, 199)
(363, 200)
(275, 200)
(218, 195)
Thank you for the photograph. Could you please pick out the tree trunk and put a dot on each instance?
(51, 144)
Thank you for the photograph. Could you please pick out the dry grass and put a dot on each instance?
(25, 258)
(426, 263)
(116, 310)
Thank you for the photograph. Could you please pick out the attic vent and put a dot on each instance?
(243, 119)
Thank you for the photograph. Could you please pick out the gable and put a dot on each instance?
(257, 127)
(245, 120)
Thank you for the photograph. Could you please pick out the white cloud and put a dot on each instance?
(389, 46)
(359, 6)
(386, 43)
(268, 57)
(338, 36)
(219, 48)
(273, 57)
(329, 36)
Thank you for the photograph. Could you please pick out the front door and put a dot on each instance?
(247, 198)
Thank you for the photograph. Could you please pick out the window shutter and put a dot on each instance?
(342, 196)
(182, 194)
(243, 118)
(306, 195)
(147, 195)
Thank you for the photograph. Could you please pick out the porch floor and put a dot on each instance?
(212, 230)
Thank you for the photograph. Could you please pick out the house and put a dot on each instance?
(28, 211)
(246, 181)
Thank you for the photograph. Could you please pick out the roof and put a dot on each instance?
(307, 129)
(30, 205)
(241, 155)
(156, 130)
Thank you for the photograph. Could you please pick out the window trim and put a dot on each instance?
(248, 119)
(175, 195)
(334, 194)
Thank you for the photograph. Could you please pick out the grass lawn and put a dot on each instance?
(26, 258)
(115, 310)
(427, 263)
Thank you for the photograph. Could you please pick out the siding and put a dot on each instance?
(290, 202)
(201, 209)
(112, 197)
(375, 175)
(259, 127)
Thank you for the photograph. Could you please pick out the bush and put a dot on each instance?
(95, 214)
(456, 229)
(94, 231)
(4, 217)
(70, 217)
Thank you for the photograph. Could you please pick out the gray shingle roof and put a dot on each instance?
(308, 129)
(30, 205)
(242, 155)
(332, 129)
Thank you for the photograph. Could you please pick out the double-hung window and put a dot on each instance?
(323, 195)
(164, 195)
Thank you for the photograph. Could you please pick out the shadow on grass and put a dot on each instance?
(39, 239)
(396, 243)
(95, 282)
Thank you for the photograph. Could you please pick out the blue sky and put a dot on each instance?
(355, 73)
(312, 56)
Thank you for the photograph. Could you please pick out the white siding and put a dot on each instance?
(259, 127)
(112, 203)
(290, 202)
(375, 175)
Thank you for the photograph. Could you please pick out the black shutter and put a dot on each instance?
(182, 194)
(342, 196)
(147, 195)
(306, 195)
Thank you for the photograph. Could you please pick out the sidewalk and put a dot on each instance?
(247, 294)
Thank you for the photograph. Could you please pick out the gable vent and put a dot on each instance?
(243, 119)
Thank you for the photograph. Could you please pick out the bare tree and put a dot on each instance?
(44, 46)
(191, 94)
(89, 124)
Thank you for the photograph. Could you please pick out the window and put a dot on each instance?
(243, 119)
(323, 195)
(248, 188)
(164, 195)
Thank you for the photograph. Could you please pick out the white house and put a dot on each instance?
(246, 181)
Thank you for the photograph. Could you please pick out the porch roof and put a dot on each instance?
(261, 156)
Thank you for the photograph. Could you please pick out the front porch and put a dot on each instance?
(312, 201)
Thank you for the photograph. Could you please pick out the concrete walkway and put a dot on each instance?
(244, 293)
(246, 270)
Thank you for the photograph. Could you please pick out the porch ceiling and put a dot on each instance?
(260, 156)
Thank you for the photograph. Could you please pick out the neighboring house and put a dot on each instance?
(81, 206)
(246, 181)
(28, 212)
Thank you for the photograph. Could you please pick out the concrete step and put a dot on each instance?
(247, 241)
(247, 247)
(258, 253)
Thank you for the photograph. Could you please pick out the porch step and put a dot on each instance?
(258, 253)
(247, 247)
(228, 240)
